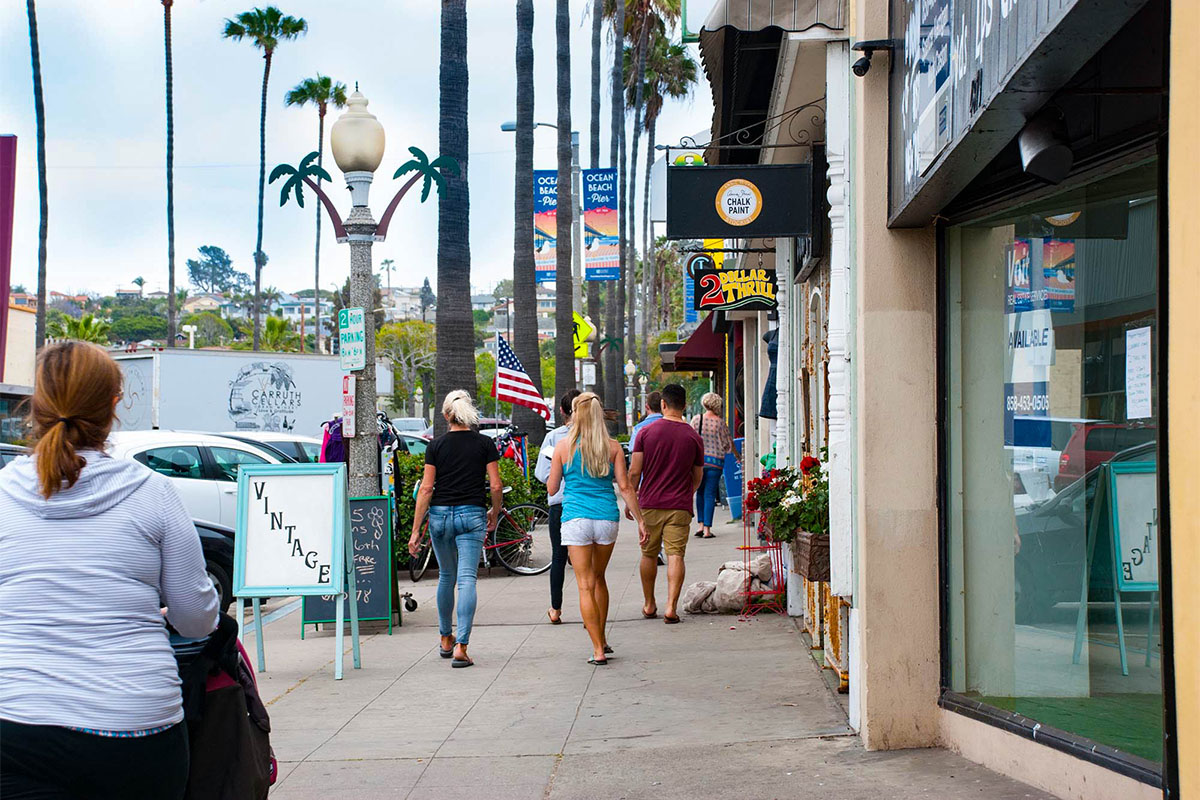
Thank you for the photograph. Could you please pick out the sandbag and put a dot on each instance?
(730, 594)
(696, 595)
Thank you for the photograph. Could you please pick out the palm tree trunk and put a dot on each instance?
(593, 287)
(648, 260)
(170, 175)
(262, 179)
(455, 328)
(638, 102)
(525, 327)
(564, 324)
(616, 305)
(39, 111)
(317, 253)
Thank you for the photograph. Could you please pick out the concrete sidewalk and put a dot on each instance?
(715, 707)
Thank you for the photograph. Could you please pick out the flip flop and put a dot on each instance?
(699, 534)
(709, 536)
(608, 650)
(598, 662)
(446, 653)
(461, 663)
(554, 621)
(653, 615)
(671, 620)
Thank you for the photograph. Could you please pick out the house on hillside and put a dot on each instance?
(203, 302)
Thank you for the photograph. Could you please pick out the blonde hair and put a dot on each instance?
(712, 402)
(461, 410)
(589, 435)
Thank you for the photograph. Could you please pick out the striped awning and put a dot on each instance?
(788, 15)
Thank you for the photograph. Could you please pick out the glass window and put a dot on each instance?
(174, 462)
(1052, 549)
(311, 451)
(228, 460)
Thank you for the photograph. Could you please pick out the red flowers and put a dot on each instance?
(808, 464)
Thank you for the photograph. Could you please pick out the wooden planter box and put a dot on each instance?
(811, 555)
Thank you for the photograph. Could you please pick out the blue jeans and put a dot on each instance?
(706, 495)
(457, 533)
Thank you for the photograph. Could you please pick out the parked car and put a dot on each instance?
(202, 466)
(217, 543)
(488, 426)
(413, 444)
(10, 451)
(416, 425)
(1094, 443)
(1053, 544)
(288, 446)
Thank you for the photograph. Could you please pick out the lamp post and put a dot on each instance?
(576, 218)
(642, 380)
(630, 372)
(419, 399)
(190, 330)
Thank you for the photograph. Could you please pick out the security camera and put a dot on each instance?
(868, 47)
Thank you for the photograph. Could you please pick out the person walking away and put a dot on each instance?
(717, 442)
(653, 415)
(667, 465)
(558, 550)
(587, 461)
(458, 464)
(91, 549)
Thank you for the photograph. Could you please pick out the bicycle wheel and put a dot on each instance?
(418, 564)
(522, 539)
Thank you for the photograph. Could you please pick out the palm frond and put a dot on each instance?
(448, 165)
(307, 161)
(280, 171)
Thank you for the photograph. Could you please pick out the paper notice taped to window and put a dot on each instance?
(1138, 398)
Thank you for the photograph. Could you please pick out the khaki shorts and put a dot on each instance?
(667, 527)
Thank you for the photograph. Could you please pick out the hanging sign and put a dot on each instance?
(601, 254)
(545, 224)
(352, 338)
(584, 333)
(734, 289)
(739, 202)
(695, 261)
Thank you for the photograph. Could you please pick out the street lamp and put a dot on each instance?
(357, 141)
(630, 371)
(642, 380)
(576, 218)
(419, 399)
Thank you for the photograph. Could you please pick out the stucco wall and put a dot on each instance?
(19, 351)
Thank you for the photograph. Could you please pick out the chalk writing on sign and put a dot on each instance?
(371, 544)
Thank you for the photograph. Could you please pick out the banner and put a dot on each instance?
(602, 260)
(545, 224)
(1058, 271)
(1019, 284)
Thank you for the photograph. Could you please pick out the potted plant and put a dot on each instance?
(810, 516)
(765, 494)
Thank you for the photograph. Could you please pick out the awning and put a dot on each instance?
(787, 15)
(702, 352)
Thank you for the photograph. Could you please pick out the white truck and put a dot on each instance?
(228, 390)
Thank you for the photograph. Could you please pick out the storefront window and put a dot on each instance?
(1052, 553)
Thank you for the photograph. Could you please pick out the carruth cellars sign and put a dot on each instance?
(734, 289)
(739, 202)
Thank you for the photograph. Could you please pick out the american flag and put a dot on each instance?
(513, 385)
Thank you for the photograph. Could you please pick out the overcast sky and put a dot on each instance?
(102, 67)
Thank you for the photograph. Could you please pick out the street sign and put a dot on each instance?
(584, 333)
(352, 338)
(349, 394)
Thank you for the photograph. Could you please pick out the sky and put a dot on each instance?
(103, 72)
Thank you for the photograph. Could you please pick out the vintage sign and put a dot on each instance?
(352, 338)
(545, 224)
(601, 254)
(734, 289)
(739, 202)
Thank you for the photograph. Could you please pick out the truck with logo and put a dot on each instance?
(232, 390)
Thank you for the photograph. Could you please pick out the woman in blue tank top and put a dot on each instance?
(588, 462)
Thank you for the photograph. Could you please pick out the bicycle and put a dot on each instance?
(521, 542)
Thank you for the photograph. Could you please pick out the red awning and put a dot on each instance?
(704, 350)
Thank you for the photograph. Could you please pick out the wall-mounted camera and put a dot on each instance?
(868, 47)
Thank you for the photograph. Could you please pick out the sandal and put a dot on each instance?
(652, 615)
(462, 663)
(608, 650)
(709, 536)
(554, 621)
(598, 662)
(446, 653)
(671, 620)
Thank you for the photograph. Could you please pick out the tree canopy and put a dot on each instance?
(214, 272)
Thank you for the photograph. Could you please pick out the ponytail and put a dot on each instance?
(73, 409)
(460, 409)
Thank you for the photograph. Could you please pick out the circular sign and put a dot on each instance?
(699, 261)
(738, 202)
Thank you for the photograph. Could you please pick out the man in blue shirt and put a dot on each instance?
(653, 415)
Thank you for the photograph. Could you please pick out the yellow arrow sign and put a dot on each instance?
(584, 333)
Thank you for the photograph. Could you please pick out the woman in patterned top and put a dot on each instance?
(717, 442)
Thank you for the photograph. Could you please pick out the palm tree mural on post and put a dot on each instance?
(265, 28)
(39, 112)
(321, 91)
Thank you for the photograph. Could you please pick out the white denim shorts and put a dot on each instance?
(580, 531)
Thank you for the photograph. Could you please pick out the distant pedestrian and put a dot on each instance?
(458, 465)
(584, 465)
(91, 548)
(558, 558)
(717, 443)
(667, 465)
(653, 415)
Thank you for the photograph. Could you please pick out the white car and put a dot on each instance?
(203, 467)
(291, 446)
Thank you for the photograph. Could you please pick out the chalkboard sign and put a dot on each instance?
(1133, 494)
(371, 538)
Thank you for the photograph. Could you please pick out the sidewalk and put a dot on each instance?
(714, 707)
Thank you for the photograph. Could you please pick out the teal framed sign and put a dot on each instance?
(1133, 499)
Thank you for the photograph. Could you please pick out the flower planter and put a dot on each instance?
(811, 555)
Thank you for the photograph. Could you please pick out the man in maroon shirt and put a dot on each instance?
(667, 467)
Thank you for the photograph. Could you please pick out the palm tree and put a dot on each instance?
(616, 306)
(39, 111)
(170, 81)
(265, 28)
(564, 322)
(322, 92)
(524, 288)
(387, 265)
(455, 326)
(279, 336)
(85, 329)
(593, 287)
